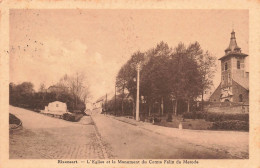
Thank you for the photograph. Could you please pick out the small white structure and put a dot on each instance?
(55, 108)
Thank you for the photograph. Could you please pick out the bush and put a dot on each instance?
(169, 118)
(231, 125)
(72, 117)
(13, 119)
(194, 115)
(68, 117)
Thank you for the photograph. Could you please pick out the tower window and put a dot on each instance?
(238, 64)
(226, 66)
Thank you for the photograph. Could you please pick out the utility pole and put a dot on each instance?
(115, 100)
(137, 94)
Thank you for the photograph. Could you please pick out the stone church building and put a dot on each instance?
(234, 85)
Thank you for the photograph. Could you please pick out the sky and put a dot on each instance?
(48, 43)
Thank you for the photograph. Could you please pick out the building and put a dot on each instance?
(234, 85)
(55, 108)
(100, 102)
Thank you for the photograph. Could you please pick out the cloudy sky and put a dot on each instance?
(46, 44)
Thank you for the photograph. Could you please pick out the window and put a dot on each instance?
(228, 78)
(226, 66)
(240, 98)
(238, 64)
(57, 105)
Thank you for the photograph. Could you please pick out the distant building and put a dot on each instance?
(234, 85)
(89, 106)
(100, 102)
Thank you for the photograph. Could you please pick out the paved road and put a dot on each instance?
(128, 141)
(46, 137)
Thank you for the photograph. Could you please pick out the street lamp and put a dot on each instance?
(137, 94)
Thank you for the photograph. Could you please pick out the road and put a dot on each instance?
(44, 137)
(100, 136)
(132, 142)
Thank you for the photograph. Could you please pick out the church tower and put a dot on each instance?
(233, 72)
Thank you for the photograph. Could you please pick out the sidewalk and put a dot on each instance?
(234, 142)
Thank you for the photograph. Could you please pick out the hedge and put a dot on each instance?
(213, 117)
(230, 125)
(225, 117)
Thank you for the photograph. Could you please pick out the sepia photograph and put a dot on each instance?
(128, 84)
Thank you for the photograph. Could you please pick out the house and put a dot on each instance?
(56, 108)
(234, 85)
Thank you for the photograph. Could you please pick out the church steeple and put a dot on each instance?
(233, 47)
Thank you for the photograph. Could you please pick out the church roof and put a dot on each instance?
(242, 81)
(233, 49)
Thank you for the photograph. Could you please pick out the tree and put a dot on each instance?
(206, 67)
(167, 77)
(42, 88)
(155, 76)
(78, 87)
(121, 81)
(176, 67)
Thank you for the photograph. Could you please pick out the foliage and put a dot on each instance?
(169, 78)
(23, 95)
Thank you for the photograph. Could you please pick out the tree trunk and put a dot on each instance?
(162, 106)
(202, 101)
(149, 110)
(175, 108)
(122, 105)
(133, 111)
(159, 109)
(188, 102)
